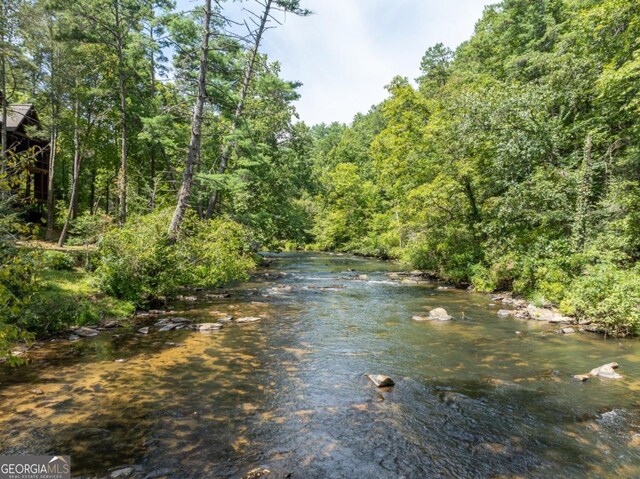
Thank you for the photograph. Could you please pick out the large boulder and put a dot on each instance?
(605, 371)
(546, 314)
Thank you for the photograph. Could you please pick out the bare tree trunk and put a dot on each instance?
(246, 80)
(76, 173)
(53, 145)
(193, 156)
(152, 153)
(51, 207)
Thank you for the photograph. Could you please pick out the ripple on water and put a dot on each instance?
(472, 398)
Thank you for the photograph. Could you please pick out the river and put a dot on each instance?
(289, 393)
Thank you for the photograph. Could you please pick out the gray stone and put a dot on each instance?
(380, 380)
(363, 277)
(248, 319)
(606, 371)
(121, 473)
(440, 314)
(421, 318)
(567, 330)
(545, 314)
(168, 327)
(85, 332)
(180, 320)
(207, 327)
(144, 330)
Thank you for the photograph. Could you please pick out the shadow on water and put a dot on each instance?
(471, 399)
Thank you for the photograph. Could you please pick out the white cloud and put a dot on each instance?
(349, 50)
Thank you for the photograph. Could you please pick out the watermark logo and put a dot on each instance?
(35, 467)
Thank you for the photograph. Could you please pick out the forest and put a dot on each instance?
(175, 155)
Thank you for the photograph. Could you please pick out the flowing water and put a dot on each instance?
(289, 393)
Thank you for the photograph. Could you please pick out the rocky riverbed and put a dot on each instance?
(315, 368)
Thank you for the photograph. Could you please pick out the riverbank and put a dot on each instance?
(601, 308)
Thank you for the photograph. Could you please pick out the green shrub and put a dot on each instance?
(50, 312)
(57, 260)
(138, 264)
(88, 229)
(608, 295)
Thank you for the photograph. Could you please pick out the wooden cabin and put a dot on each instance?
(32, 150)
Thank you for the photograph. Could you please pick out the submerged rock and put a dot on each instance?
(257, 473)
(248, 319)
(440, 314)
(505, 313)
(421, 318)
(218, 295)
(122, 473)
(380, 380)
(606, 371)
(205, 327)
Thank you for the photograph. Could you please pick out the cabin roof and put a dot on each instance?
(16, 113)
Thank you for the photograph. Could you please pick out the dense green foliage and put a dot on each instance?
(138, 263)
(514, 164)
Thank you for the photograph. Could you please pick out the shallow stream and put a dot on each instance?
(289, 393)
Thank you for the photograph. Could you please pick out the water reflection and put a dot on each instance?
(472, 398)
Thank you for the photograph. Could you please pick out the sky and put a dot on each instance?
(348, 50)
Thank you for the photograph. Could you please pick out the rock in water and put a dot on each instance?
(421, 318)
(85, 332)
(205, 327)
(249, 319)
(168, 327)
(122, 473)
(440, 314)
(144, 330)
(363, 277)
(605, 371)
(568, 330)
(544, 314)
(381, 380)
(257, 473)
(226, 319)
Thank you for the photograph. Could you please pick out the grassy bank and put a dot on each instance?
(70, 298)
